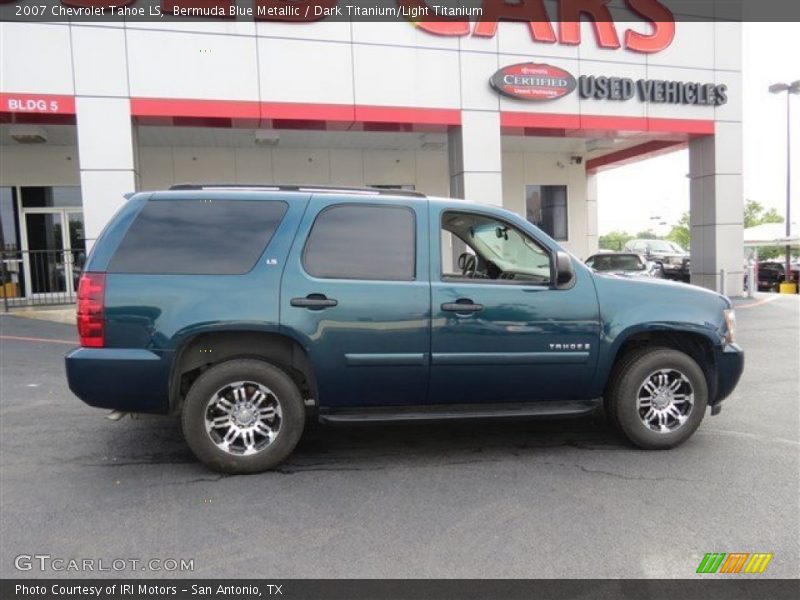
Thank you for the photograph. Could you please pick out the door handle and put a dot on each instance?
(314, 302)
(462, 305)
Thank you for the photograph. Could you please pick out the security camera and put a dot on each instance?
(575, 160)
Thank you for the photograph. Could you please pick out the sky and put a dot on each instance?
(628, 200)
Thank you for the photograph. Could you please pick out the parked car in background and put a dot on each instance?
(247, 310)
(772, 274)
(628, 264)
(673, 260)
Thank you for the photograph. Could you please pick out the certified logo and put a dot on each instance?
(533, 82)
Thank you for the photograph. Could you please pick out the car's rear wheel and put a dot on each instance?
(658, 397)
(243, 416)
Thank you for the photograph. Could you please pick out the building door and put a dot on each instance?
(54, 250)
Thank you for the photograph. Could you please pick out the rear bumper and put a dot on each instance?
(730, 364)
(131, 380)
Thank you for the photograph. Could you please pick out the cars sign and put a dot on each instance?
(532, 81)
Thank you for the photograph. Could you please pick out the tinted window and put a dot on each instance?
(223, 237)
(37, 197)
(616, 262)
(663, 246)
(362, 242)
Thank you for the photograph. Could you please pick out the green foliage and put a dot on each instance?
(680, 232)
(614, 240)
(754, 214)
(769, 252)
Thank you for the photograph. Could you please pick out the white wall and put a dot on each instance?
(522, 168)
(386, 64)
(164, 166)
(39, 165)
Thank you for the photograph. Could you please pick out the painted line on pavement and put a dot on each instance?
(758, 303)
(33, 339)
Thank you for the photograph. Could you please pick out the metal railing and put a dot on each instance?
(39, 277)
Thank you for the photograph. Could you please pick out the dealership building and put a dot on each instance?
(513, 114)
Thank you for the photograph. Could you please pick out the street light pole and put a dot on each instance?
(789, 88)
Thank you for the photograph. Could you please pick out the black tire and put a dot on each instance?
(290, 425)
(609, 412)
(627, 379)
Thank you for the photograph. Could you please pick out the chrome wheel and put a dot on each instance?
(665, 400)
(243, 418)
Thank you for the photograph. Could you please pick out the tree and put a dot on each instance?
(754, 214)
(680, 232)
(614, 240)
(648, 234)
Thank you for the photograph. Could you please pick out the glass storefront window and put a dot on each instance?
(51, 197)
(9, 232)
(546, 207)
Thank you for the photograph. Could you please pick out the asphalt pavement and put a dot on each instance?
(563, 498)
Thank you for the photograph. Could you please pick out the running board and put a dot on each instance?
(451, 412)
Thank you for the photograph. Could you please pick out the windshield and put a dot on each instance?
(616, 262)
(510, 250)
(664, 246)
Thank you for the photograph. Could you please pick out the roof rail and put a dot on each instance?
(315, 189)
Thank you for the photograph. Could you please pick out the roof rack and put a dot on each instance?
(314, 189)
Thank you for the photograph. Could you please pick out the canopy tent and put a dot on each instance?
(771, 234)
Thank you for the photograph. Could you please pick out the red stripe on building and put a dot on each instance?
(690, 126)
(313, 115)
(519, 122)
(401, 114)
(207, 109)
(307, 112)
(632, 154)
(527, 120)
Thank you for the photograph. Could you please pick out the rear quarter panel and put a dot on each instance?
(160, 312)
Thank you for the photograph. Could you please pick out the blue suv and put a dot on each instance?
(248, 309)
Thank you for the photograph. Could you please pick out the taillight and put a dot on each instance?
(91, 312)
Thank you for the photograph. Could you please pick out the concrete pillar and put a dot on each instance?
(717, 208)
(107, 151)
(107, 145)
(476, 158)
(592, 239)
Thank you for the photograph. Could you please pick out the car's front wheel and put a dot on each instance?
(243, 416)
(658, 397)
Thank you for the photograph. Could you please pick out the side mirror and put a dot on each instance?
(565, 272)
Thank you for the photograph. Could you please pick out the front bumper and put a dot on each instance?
(730, 365)
(130, 380)
(679, 272)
